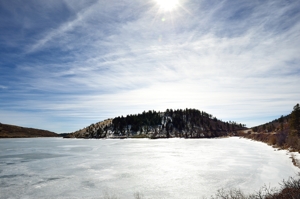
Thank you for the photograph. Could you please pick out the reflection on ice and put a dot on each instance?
(167, 168)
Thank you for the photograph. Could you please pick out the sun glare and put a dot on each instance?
(167, 5)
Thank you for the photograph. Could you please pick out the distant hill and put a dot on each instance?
(11, 131)
(283, 132)
(277, 125)
(185, 123)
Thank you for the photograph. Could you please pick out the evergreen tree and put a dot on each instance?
(295, 120)
(280, 120)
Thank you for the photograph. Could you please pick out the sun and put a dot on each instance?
(167, 5)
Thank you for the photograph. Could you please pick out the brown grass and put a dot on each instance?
(11, 131)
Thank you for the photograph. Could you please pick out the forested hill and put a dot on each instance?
(283, 132)
(282, 123)
(289, 124)
(11, 131)
(187, 123)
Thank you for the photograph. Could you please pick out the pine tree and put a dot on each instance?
(295, 120)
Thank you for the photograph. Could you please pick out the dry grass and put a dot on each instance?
(279, 140)
(11, 131)
(290, 189)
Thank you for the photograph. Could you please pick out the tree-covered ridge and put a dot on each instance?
(295, 120)
(274, 126)
(289, 124)
(187, 123)
(283, 132)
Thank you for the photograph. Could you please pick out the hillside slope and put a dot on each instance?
(11, 131)
(187, 123)
(283, 132)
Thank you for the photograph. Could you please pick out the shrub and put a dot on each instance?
(281, 139)
(140, 136)
(272, 140)
(289, 189)
(294, 142)
(231, 194)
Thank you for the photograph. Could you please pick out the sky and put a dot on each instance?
(67, 64)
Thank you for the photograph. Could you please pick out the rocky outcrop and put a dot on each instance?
(101, 129)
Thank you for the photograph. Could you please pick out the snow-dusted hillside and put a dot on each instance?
(187, 123)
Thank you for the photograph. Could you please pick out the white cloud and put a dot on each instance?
(117, 61)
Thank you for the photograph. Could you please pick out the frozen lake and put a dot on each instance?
(164, 168)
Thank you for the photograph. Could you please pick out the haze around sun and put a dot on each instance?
(167, 5)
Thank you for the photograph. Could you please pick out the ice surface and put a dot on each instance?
(163, 168)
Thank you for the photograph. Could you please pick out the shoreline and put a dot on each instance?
(294, 155)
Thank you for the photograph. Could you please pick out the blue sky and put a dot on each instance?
(66, 64)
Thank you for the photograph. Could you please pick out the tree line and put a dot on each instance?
(283, 132)
(180, 122)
